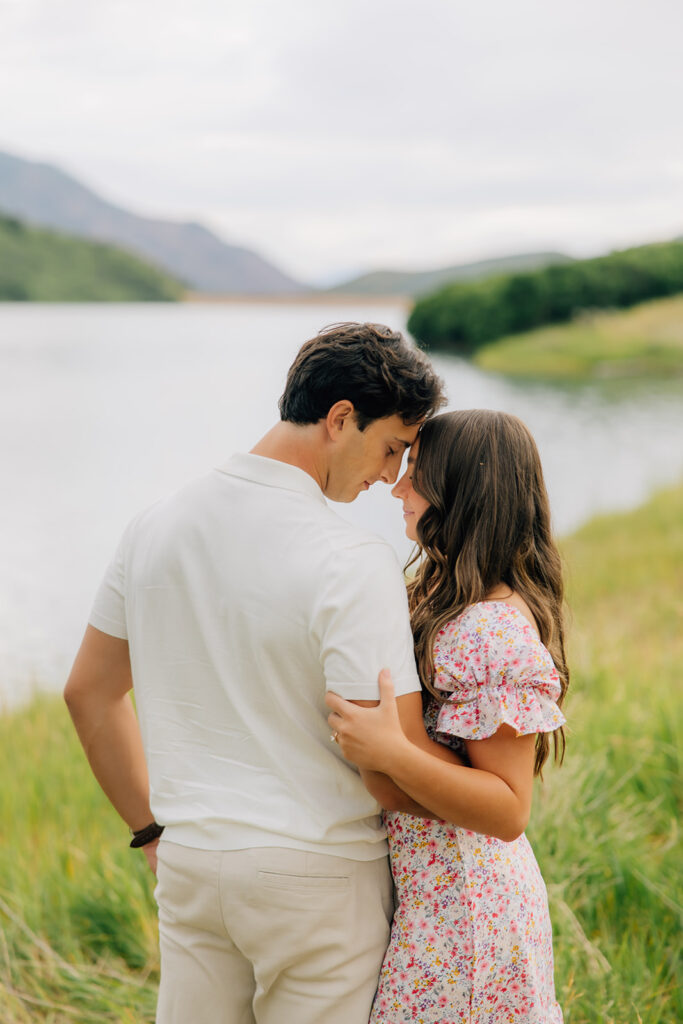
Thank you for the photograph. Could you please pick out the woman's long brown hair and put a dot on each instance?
(488, 523)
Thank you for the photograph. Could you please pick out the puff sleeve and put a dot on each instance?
(495, 670)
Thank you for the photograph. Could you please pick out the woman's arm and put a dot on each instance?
(492, 797)
(389, 796)
(384, 789)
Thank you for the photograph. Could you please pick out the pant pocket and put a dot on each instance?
(304, 892)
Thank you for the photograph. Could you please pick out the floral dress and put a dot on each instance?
(471, 938)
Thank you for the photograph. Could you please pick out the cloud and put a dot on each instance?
(408, 131)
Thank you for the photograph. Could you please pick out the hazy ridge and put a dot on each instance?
(44, 195)
(419, 282)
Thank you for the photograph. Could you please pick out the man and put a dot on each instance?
(233, 606)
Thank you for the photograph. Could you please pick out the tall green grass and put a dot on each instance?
(605, 826)
(77, 918)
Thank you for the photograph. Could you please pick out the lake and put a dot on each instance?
(105, 408)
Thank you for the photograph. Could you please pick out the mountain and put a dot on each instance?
(37, 265)
(419, 282)
(45, 195)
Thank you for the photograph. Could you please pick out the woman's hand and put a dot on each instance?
(371, 738)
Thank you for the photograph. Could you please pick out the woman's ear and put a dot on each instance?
(339, 418)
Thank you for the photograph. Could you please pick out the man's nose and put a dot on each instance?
(398, 490)
(390, 470)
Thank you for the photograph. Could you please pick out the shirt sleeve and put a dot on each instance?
(108, 612)
(363, 625)
(495, 671)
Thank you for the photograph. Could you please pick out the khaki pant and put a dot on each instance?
(269, 936)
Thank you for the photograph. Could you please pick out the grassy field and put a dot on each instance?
(646, 340)
(605, 825)
(77, 923)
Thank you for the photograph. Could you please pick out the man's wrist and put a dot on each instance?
(145, 835)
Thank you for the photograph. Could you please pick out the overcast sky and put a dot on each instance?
(340, 135)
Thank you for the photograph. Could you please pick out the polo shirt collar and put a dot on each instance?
(272, 473)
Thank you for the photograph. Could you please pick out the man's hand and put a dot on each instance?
(150, 852)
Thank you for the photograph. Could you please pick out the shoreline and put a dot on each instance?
(297, 299)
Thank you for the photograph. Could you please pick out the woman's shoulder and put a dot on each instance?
(493, 636)
(492, 615)
(492, 667)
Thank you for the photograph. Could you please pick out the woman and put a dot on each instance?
(471, 938)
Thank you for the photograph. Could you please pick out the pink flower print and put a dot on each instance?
(456, 895)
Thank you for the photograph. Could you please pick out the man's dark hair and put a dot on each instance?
(368, 364)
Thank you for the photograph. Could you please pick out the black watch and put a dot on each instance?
(146, 835)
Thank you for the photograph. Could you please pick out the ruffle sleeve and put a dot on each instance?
(494, 669)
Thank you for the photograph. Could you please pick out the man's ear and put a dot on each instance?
(339, 418)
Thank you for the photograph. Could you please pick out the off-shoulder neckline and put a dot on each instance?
(502, 601)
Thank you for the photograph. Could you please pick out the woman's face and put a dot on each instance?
(414, 505)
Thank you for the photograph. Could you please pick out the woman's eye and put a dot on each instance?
(391, 453)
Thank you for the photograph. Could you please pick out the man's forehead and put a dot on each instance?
(393, 430)
(406, 433)
(412, 453)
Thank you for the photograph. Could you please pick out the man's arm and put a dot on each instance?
(384, 789)
(97, 694)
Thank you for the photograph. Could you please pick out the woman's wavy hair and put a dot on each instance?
(488, 523)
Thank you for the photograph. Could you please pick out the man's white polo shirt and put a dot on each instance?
(243, 598)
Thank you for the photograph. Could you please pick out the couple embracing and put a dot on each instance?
(257, 626)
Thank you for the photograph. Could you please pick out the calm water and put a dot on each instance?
(105, 408)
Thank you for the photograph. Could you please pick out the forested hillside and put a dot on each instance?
(43, 266)
(463, 317)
